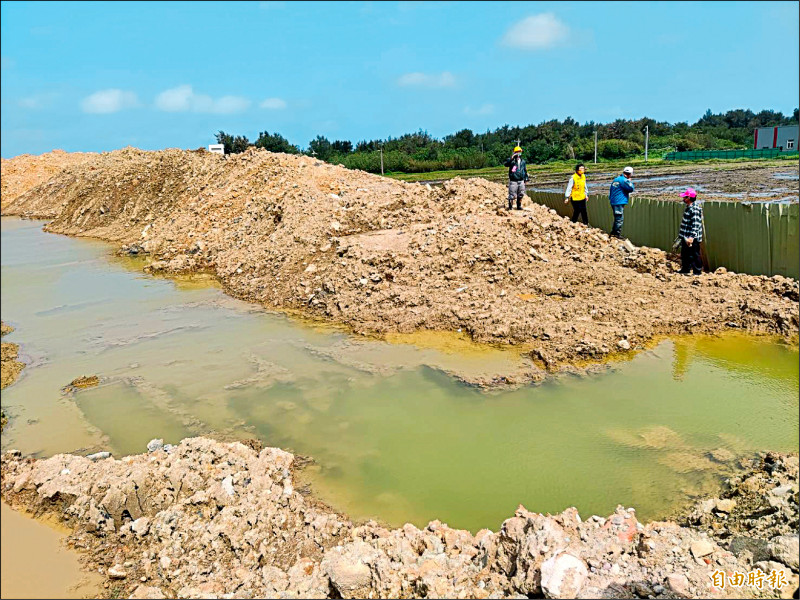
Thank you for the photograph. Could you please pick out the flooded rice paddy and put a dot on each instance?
(392, 434)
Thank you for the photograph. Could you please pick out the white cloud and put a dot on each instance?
(184, 99)
(434, 80)
(109, 101)
(37, 101)
(536, 32)
(486, 109)
(273, 104)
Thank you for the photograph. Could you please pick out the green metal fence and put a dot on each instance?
(699, 154)
(755, 238)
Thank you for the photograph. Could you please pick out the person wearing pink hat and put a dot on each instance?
(691, 234)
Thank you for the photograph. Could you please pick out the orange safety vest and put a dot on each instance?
(578, 187)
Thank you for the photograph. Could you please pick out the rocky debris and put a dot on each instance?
(385, 256)
(117, 572)
(211, 519)
(757, 518)
(10, 367)
(99, 456)
(563, 576)
(82, 382)
(785, 549)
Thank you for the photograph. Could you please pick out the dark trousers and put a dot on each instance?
(690, 258)
(578, 209)
(619, 217)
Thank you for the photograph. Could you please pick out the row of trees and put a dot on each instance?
(551, 140)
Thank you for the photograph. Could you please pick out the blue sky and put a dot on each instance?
(97, 76)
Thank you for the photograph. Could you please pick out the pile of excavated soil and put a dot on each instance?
(386, 256)
(10, 367)
(23, 172)
(207, 519)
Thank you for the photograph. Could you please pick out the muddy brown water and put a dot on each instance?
(35, 563)
(392, 434)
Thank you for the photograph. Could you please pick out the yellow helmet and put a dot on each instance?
(517, 149)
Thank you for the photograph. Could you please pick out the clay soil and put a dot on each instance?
(383, 256)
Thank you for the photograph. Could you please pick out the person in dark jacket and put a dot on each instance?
(517, 176)
(621, 188)
(691, 234)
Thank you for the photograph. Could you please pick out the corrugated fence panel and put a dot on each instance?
(759, 239)
(738, 237)
(554, 201)
(599, 211)
(784, 223)
(652, 223)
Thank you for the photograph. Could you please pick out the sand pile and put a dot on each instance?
(386, 256)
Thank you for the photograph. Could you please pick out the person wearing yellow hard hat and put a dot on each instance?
(517, 176)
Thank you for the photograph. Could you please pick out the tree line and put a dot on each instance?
(548, 141)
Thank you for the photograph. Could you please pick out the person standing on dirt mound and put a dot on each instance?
(578, 193)
(621, 188)
(691, 234)
(517, 176)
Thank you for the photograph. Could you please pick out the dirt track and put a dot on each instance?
(385, 256)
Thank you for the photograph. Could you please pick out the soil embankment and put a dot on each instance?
(206, 519)
(10, 367)
(383, 256)
(26, 171)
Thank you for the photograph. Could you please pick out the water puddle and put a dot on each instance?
(32, 548)
(392, 431)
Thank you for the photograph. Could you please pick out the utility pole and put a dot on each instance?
(646, 140)
(381, 159)
(595, 146)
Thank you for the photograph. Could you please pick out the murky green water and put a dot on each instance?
(391, 434)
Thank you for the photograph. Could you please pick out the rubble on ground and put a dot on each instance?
(207, 519)
(757, 516)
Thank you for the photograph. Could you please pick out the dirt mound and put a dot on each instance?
(26, 171)
(386, 256)
(10, 367)
(206, 519)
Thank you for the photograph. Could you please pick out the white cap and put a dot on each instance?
(628, 170)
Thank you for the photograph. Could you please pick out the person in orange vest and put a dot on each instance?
(578, 193)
